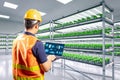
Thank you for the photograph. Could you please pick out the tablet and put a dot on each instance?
(54, 48)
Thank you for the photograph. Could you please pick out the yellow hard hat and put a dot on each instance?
(33, 14)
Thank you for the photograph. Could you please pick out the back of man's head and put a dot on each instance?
(32, 17)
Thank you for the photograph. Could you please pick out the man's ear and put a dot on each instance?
(36, 26)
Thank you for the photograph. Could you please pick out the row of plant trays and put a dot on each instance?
(2, 48)
(10, 40)
(6, 48)
(117, 36)
(6, 41)
(12, 37)
(83, 33)
(93, 48)
(2, 44)
(83, 50)
(76, 37)
(90, 46)
(86, 59)
(2, 36)
(2, 40)
(8, 36)
(93, 17)
(116, 53)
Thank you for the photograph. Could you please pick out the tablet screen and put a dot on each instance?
(54, 48)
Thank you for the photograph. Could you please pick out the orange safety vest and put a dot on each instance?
(25, 65)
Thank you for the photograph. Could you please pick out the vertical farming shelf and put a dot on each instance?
(11, 37)
(79, 30)
(2, 42)
(6, 42)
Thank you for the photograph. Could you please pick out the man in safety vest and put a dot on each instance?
(29, 57)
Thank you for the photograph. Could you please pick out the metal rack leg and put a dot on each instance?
(113, 77)
(103, 36)
(52, 67)
(63, 63)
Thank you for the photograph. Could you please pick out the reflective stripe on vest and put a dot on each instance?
(23, 78)
(19, 66)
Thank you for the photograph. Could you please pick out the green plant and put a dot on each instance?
(83, 19)
(94, 17)
(85, 58)
(88, 18)
(107, 60)
(87, 46)
(99, 15)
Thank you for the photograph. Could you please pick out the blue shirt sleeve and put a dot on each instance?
(39, 52)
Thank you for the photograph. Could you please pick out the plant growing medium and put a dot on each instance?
(95, 60)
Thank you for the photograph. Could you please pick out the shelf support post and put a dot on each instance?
(113, 77)
(103, 36)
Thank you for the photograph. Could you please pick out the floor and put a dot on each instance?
(72, 70)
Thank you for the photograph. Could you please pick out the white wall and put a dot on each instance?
(10, 27)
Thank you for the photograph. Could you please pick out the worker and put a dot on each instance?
(29, 58)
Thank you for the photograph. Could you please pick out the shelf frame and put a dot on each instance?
(104, 20)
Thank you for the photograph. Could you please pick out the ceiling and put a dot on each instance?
(53, 8)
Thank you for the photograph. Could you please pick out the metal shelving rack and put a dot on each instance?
(105, 19)
(103, 23)
(117, 41)
(3, 42)
(6, 42)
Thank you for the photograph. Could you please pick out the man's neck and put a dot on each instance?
(30, 31)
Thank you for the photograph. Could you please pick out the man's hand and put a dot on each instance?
(51, 57)
(47, 65)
